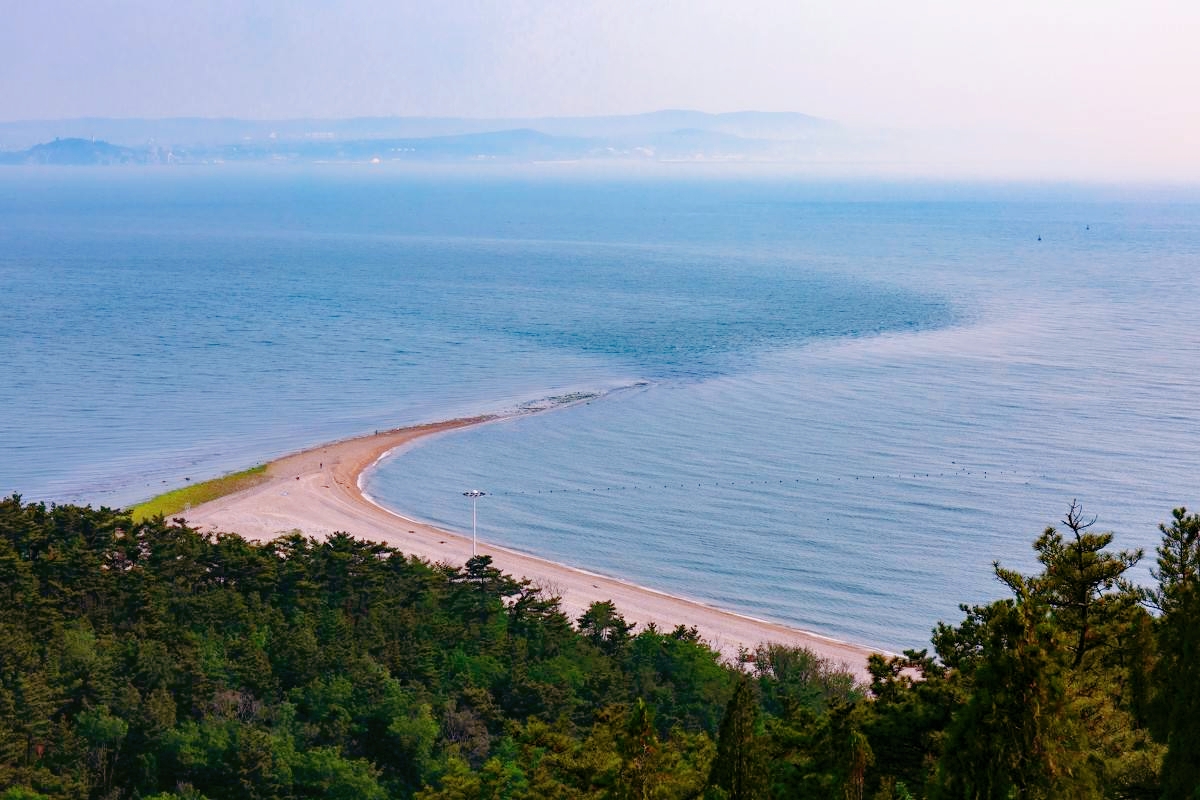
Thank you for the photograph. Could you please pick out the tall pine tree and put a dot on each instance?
(1015, 737)
(740, 768)
(1176, 720)
(1083, 583)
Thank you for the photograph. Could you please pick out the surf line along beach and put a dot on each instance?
(318, 492)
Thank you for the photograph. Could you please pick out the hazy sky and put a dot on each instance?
(1106, 80)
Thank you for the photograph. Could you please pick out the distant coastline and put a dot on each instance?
(658, 137)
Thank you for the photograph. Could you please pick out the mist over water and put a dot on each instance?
(819, 409)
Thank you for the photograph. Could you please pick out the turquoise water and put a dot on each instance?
(832, 406)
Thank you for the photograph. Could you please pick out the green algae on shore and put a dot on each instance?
(183, 498)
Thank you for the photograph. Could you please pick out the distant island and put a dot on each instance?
(75, 152)
(661, 136)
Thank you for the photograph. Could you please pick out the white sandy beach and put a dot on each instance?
(317, 492)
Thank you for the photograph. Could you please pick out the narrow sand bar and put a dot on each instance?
(317, 491)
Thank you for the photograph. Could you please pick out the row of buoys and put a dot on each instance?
(656, 487)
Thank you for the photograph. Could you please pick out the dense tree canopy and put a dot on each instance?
(149, 660)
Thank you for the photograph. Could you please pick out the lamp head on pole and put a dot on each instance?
(474, 494)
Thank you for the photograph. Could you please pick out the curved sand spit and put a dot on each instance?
(317, 492)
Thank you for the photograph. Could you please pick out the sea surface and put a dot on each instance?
(830, 405)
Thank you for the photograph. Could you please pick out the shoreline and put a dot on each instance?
(318, 491)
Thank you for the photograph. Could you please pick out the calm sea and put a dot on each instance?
(828, 405)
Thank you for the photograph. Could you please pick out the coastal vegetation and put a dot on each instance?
(142, 659)
(178, 500)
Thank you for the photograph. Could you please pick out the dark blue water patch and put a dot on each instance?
(661, 310)
(671, 313)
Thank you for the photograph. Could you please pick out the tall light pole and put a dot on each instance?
(474, 494)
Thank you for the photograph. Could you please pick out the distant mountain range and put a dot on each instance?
(658, 136)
